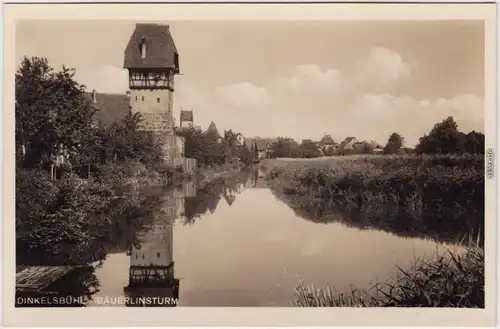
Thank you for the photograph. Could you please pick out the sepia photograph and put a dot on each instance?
(251, 163)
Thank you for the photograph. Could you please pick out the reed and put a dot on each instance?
(452, 279)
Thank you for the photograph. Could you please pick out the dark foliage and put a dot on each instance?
(445, 138)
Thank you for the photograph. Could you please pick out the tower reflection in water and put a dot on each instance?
(152, 279)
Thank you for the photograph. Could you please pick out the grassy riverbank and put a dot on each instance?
(437, 197)
(440, 197)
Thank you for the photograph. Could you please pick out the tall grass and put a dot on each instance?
(453, 279)
(441, 197)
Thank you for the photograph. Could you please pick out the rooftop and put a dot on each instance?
(213, 129)
(111, 107)
(160, 48)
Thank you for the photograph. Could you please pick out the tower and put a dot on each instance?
(152, 61)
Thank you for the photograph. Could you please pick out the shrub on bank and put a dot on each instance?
(59, 222)
(385, 179)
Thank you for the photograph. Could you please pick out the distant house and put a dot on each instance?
(377, 148)
(360, 146)
(373, 146)
(236, 140)
(212, 129)
(262, 146)
(366, 147)
(327, 144)
(348, 145)
(186, 119)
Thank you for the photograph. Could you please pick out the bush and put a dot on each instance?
(60, 222)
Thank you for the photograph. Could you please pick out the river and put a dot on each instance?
(234, 243)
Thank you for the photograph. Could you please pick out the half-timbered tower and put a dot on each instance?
(152, 61)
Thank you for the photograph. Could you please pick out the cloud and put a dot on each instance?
(382, 66)
(313, 101)
(243, 94)
(104, 79)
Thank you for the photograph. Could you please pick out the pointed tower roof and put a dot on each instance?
(160, 48)
(213, 129)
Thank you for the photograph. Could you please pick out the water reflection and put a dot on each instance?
(451, 226)
(151, 277)
(206, 198)
(258, 246)
(257, 179)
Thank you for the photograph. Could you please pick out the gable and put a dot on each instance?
(351, 140)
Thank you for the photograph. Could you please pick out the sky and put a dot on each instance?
(299, 79)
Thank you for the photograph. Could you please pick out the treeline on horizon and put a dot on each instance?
(444, 138)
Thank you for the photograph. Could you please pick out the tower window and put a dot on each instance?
(136, 98)
(158, 255)
(143, 48)
(142, 256)
(158, 100)
(143, 98)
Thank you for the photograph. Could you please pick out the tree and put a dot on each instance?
(229, 135)
(284, 147)
(368, 148)
(444, 138)
(394, 143)
(474, 142)
(244, 154)
(52, 113)
(309, 149)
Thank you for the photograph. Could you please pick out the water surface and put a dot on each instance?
(236, 244)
